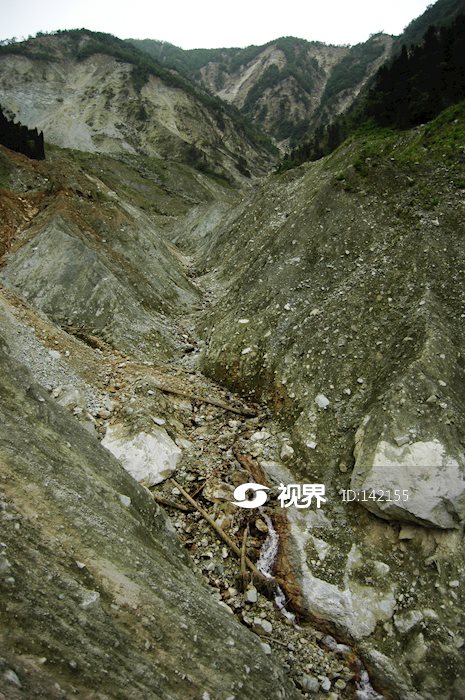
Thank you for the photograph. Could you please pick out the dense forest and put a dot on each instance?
(418, 84)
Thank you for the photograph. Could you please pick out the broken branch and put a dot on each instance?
(232, 545)
(213, 402)
(243, 563)
(170, 504)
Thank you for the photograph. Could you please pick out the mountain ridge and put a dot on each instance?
(139, 107)
(279, 85)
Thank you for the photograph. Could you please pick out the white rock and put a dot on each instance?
(310, 684)
(401, 440)
(90, 599)
(251, 594)
(246, 351)
(322, 401)
(243, 320)
(260, 625)
(159, 421)
(433, 480)
(287, 452)
(125, 500)
(260, 435)
(404, 622)
(70, 396)
(353, 605)
(151, 458)
(265, 648)
(11, 677)
(183, 443)
(381, 569)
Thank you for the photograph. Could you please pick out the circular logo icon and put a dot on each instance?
(259, 495)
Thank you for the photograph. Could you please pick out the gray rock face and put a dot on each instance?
(96, 596)
(418, 482)
(158, 119)
(77, 282)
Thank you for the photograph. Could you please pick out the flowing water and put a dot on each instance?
(266, 562)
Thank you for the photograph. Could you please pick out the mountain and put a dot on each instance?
(439, 14)
(281, 85)
(410, 89)
(96, 93)
(176, 325)
(350, 328)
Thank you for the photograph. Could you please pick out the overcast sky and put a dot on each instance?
(210, 24)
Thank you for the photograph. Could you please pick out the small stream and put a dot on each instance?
(265, 564)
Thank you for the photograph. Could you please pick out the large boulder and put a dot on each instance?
(148, 457)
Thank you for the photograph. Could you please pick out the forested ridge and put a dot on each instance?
(412, 89)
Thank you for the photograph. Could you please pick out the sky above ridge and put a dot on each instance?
(207, 24)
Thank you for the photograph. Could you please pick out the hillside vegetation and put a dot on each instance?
(283, 85)
(411, 89)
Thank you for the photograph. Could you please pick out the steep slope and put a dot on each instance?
(95, 93)
(344, 310)
(441, 13)
(412, 88)
(282, 84)
(348, 79)
(93, 258)
(97, 598)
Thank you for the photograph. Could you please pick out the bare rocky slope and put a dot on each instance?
(86, 93)
(344, 311)
(288, 86)
(166, 336)
(102, 595)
